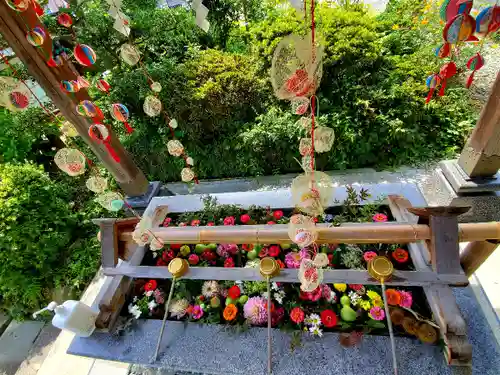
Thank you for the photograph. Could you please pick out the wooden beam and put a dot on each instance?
(481, 155)
(475, 254)
(13, 27)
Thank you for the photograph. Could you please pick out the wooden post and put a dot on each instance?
(476, 254)
(13, 26)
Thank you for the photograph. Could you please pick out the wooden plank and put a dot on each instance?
(403, 278)
(475, 254)
(444, 246)
(109, 242)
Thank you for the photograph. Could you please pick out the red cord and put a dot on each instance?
(313, 98)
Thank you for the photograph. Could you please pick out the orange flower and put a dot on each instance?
(230, 312)
(393, 297)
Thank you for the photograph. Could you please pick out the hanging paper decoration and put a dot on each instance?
(111, 201)
(100, 134)
(82, 82)
(71, 161)
(305, 146)
(451, 8)
(36, 37)
(87, 108)
(97, 184)
(300, 105)
(122, 25)
(323, 139)
(84, 55)
(187, 174)
(65, 20)
(432, 82)
(475, 63)
(306, 163)
(70, 86)
(68, 129)
(103, 85)
(173, 123)
(189, 161)
(304, 122)
(175, 148)
(310, 276)
(488, 20)
(460, 29)
(312, 192)
(447, 71)
(443, 50)
(302, 230)
(152, 106)
(156, 86)
(38, 9)
(129, 54)
(120, 113)
(18, 98)
(18, 5)
(7, 85)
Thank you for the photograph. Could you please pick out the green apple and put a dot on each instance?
(285, 246)
(348, 314)
(230, 301)
(212, 246)
(252, 254)
(242, 300)
(199, 248)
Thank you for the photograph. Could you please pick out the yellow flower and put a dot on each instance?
(365, 305)
(395, 27)
(378, 302)
(340, 287)
(372, 294)
(425, 21)
(494, 46)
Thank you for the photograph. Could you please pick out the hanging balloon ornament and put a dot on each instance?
(111, 201)
(38, 9)
(187, 174)
(460, 29)
(447, 71)
(432, 82)
(323, 139)
(100, 134)
(84, 55)
(82, 82)
(152, 106)
(18, 5)
(36, 36)
(475, 63)
(71, 161)
(451, 8)
(302, 230)
(488, 20)
(129, 54)
(86, 108)
(443, 50)
(175, 148)
(70, 86)
(120, 113)
(65, 20)
(103, 85)
(312, 192)
(97, 184)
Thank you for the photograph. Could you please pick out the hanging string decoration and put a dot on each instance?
(97, 184)
(111, 201)
(432, 82)
(323, 139)
(71, 161)
(70, 86)
(120, 113)
(84, 55)
(475, 63)
(302, 230)
(36, 37)
(312, 192)
(152, 106)
(130, 54)
(175, 148)
(103, 85)
(18, 5)
(300, 105)
(187, 174)
(100, 134)
(65, 20)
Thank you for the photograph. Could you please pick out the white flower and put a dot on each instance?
(152, 305)
(178, 308)
(278, 296)
(354, 297)
(240, 285)
(313, 320)
(134, 310)
(264, 294)
(275, 286)
(135, 299)
(149, 293)
(254, 263)
(333, 297)
(316, 331)
(155, 254)
(210, 289)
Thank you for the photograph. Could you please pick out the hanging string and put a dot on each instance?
(313, 97)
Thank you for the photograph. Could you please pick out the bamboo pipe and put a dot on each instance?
(349, 233)
(476, 254)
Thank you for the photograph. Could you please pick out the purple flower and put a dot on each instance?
(227, 250)
(197, 312)
(406, 299)
(293, 259)
(255, 310)
(159, 296)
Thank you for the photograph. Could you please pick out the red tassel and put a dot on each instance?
(470, 79)
(443, 86)
(429, 96)
(112, 151)
(128, 127)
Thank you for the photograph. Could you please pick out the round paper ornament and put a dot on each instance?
(312, 192)
(156, 87)
(305, 123)
(103, 85)
(152, 106)
(306, 163)
(111, 201)
(443, 50)
(100, 134)
(38, 9)
(64, 19)
(97, 184)
(451, 8)
(300, 105)
(129, 54)
(19, 98)
(488, 20)
(187, 174)
(173, 123)
(68, 129)
(323, 139)
(82, 82)
(120, 113)
(432, 82)
(189, 161)
(36, 37)
(475, 63)
(175, 148)
(302, 230)
(84, 55)
(448, 70)
(18, 5)
(70, 86)
(305, 146)
(460, 29)
(71, 161)
(309, 275)
(87, 108)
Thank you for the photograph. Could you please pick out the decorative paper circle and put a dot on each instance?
(82, 82)
(84, 55)
(175, 148)
(323, 139)
(111, 201)
(87, 108)
(173, 123)
(71, 161)
(119, 112)
(156, 87)
(476, 62)
(18, 5)
(189, 161)
(36, 37)
(129, 54)
(97, 184)
(443, 50)
(70, 86)
(459, 28)
(300, 105)
(187, 174)
(309, 275)
(302, 230)
(152, 106)
(103, 85)
(64, 19)
(19, 98)
(451, 8)
(304, 122)
(305, 146)
(312, 192)
(68, 129)
(433, 81)
(98, 132)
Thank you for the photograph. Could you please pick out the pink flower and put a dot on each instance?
(264, 252)
(278, 214)
(313, 296)
(297, 315)
(245, 218)
(229, 262)
(229, 220)
(292, 259)
(255, 311)
(193, 259)
(406, 299)
(274, 251)
(355, 287)
(167, 221)
(377, 313)
(210, 224)
(271, 223)
(195, 223)
(379, 218)
(226, 250)
(369, 255)
(183, 224)
(277, 315)
(197, 312)
(326, 292)
(159, 296)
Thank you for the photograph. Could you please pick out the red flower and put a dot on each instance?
(229, 220)
(229, 263)
(210, 224)
(195, 223)
(297, 315)
(278, 214)
(400, 255)
(245, 218)
(328, 318)
(274, 251)
(201, 298)
(167, 221)
(315, 219)
(160, 262)
(208, 255)
(355, 286)
(183, 224)
(247, 247)
(193, 259)
(150, 285)
(330, 259)
(280, 263)
(175, 246)
(379, 218)
(234, 292)
(263, 252)
(168, 256)
(271, 223)
(189, 310)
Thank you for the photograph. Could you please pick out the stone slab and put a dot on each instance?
(142, 201)
(102, 367)
(15, 344)
(4, 322)
(215, 349)
(463, 184)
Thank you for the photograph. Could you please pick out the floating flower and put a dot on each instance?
(159, 297)
(229, 263)
(340, 287)
(229, 220)
(197, 312)
(230, 312)
(329, 318)
(313, 320)
(274, 251)
(297, 315)
(208, 255)
(369, 255)
(226, 250)
(167, 256)
(354, 297)
(365, 305)
(316, 331)
(134, 311)
(183, 224)
(277, 316)
(167, 221)
(210, 289)
(234, 292)
(400, 255)
(278, 214)
(377, 313)
(313, 296)
(393, 297)
(406, 299)
(379, 218)
(152, 305)
(280, 263)
(215, 302)
(375, 298)
(194, 259)
(326, 292)
(245, 218)
(210, 224)
(355, 287)
(195, 223)
(255, 310)
(150, 285)
(293, 259)
(247, 247)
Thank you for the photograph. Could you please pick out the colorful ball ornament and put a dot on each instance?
(36, 37)
(432, 82)
(100, 134)
(156, 87)
(64, 19)
(152, 106)
(460, 29)
(488, 20)
(129, 54)
(111, 201)
(103, 85)
(443, 50)
(87, 108)
(18, 5)
(71, 161)
(97, 184)
(451, 8)
(447, 71)
(187, 174)
(475, 63)
(175, 148)
(84, 55)
(120, 113)
(70, 86)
